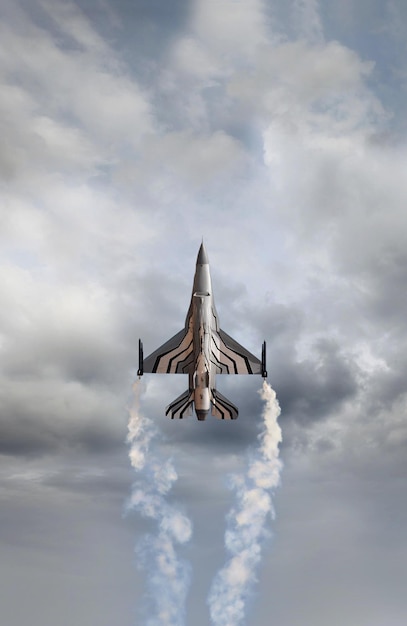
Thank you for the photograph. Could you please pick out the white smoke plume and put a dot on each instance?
(247, 521)
(169, 576)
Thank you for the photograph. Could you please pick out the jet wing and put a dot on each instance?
(234, 358)
(173, 357)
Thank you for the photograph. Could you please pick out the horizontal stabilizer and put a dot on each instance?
(222, 408)
(182, 406)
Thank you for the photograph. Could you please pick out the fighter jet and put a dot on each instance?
(202, 350)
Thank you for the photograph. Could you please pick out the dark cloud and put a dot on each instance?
(29, 434)
(141, 31)
(316, 387)
(40, 416)
(384, 278)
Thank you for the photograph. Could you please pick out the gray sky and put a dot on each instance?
(275, 130)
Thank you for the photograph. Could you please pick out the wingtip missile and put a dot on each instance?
(140, 370)
(263, 361)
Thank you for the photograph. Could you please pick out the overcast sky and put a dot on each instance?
(275, 130)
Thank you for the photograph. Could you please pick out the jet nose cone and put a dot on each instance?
(202, 256)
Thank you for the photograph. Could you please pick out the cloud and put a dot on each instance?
(72, 103)
(306, 14)
(279, 138)
(46, 416)
(317, 386)
(244, 32)
(308, 103)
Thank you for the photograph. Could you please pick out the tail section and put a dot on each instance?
(182, 406)
(222, 408)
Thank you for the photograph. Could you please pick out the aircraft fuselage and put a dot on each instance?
(202, 350)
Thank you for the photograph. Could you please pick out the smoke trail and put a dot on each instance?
(168, 579)
(246, 522)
